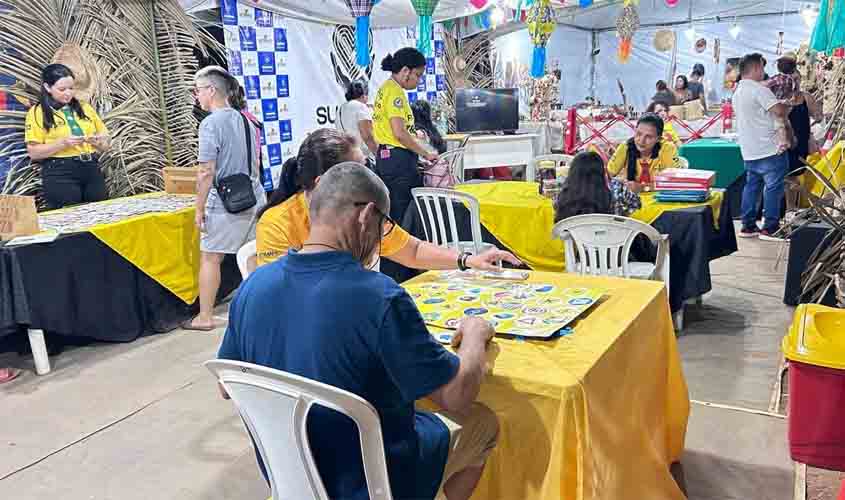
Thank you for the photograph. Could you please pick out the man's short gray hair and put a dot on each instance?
(344, 185)
(217, 77)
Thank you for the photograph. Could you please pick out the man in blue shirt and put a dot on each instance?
(321, 314)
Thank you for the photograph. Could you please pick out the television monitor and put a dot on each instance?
(486, 110)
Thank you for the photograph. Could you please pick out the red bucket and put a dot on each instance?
(816, 411)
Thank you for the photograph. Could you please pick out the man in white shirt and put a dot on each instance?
(356, 119)
(762, 141)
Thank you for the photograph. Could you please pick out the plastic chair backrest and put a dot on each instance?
(431, 203)
(559, 160)
(456, 159)
(602, 243)
(243, 256)
(274, 406)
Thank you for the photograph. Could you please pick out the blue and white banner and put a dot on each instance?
(295, 73)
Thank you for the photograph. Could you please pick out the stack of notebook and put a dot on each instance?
(683, 184)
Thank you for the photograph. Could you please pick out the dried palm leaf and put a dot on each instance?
(142, 53)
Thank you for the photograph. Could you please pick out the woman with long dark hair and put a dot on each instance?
(681, 90)
(355, 118)
(589, 190)
(423, 123)
(285, 223)
(66, 137)
(641, 157)
(393, 127)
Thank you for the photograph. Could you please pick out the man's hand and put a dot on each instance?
(489, 260)
(473, 329)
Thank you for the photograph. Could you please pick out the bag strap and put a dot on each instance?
(340, 118)
(248, 144)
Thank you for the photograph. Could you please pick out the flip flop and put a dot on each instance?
(188, 325)
(10, 374)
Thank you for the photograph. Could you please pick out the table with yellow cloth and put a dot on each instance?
(598, 414)
(521, 220)
(831, 166)
(111, 281)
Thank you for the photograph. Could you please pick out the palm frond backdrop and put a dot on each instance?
(140, 57)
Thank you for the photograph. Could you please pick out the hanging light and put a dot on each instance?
(497, 15)
(809, 15)
(735, 30)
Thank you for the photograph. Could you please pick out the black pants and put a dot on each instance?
(70, 181)
(397, 167)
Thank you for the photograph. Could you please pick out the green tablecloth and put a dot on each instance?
(715, 154)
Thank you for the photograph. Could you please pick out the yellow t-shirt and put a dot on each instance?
(667, 158)
(669, 134)
(287, 225)
(391, 102)
(36, 133)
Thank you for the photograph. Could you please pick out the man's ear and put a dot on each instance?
(367, 213)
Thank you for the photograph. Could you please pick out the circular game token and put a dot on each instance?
(510, 306)
(544, 289)
(535, 311)
(475, 311)
(503, 316)
(434, 300)
(468, 298)
(581, 301)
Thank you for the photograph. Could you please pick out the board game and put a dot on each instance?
(83, 217)
(513, 308)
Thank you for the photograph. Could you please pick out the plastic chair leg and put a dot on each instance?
(39, 352)
(678, 320)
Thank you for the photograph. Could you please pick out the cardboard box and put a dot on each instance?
(180, 180)
(678, 112)
(693, 110)
(18, 216)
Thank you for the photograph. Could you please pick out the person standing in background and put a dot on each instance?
(356, 119)
(66, 137)
(223, 151)
(663, 95)
(393, 129)
(763, 147)
(696, 85)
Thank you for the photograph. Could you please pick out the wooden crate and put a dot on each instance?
(180, 180)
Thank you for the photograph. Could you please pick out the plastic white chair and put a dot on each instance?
(431, 203)
(602, 244)
(274, 405)
(558, 159)
(244, 254)
(456, 159)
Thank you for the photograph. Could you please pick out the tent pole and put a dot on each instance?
(594, 45)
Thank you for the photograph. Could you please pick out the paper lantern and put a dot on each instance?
(626, 25)
(424, 9)
(829, 32)
(361, 11)
(478, 4)
(541, 23)
(671, 3)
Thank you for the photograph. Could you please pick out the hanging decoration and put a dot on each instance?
(585, 3)
(700, 45)
(717, 50)
(671, 3)
(478, 4)
(664, 40)
(361, 10)
(425, 9)
(541, 23)
(626, 26)
(829, 32)
(779, 48)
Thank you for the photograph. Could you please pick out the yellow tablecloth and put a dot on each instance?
(164, 246)
(599, 414)
(518, 216)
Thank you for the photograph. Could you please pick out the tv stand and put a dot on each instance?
(491, 150)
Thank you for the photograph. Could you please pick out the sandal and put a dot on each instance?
(9, 374)
(189, 325)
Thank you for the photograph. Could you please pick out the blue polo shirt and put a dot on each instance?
(324, 317)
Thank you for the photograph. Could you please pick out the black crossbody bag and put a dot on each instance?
(236, 191)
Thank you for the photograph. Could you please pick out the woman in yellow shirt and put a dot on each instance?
(393, 129)
(639, 159)
(285, 222)
(65, 136)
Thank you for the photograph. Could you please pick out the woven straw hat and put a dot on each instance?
(664, 40)
(87, 79)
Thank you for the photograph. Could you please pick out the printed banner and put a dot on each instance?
(295, 73)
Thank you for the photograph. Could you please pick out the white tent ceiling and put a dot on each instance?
(602, 15)
(388, 13)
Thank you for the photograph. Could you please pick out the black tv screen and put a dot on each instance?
(493, 110)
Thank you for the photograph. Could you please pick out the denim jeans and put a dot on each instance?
(768, 172)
